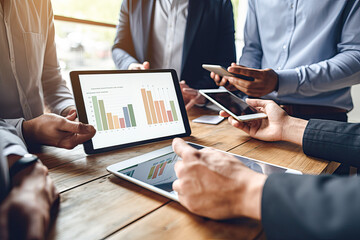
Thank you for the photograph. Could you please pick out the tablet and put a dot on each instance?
(155, 170)
(129, 108)
(232, 104)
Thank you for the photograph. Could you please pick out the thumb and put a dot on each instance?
(257, 102)
(71, 117)
(146, 65)
(77, 127)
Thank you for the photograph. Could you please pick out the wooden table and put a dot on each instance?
(96, 205)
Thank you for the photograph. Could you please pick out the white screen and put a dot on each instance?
(131, 107)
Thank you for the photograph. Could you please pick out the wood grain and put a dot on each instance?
(173, 221)
(97, 209)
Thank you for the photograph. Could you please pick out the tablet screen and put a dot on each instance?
(131, 107)
(232, 103)
(158, 172)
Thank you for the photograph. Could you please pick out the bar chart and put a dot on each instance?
(156, 111)
(126, 108)
(108, 120)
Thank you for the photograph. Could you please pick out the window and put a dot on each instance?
(85, 31)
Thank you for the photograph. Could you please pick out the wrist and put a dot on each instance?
(28, 132)
(250, 195)
(293, 130)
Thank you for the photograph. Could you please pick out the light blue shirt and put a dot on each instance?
(314, 47)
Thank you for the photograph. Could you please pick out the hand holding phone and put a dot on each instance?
(221, 71)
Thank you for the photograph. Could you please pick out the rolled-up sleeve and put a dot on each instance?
(10, 143)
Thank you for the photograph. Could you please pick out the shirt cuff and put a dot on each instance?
(288, 81)
(63, 105)
(14, 150)
(18, 124)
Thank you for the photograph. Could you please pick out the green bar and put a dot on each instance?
(151, 172)
(132, 116)
(173, 110)
(97, 113)
(103, 115)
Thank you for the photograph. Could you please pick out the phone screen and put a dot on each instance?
(233, 103)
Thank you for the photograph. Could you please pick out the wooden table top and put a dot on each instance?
(95, 204)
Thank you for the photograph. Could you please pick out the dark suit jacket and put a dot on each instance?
(209, 37)
(317, 207)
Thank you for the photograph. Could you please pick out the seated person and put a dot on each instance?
(217, 185)
(30, 71)
(181, 34)
(27, 193)
(305, 59)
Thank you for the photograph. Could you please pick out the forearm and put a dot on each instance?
(57, 95)
(311, 207)
(314, 79)
(122, 59)
(252, 51)
(334, 141)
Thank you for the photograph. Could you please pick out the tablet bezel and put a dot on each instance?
(115, 168)
(81, 112)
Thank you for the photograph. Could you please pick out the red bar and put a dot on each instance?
(122, 122)
(156, 171)
(170, 116)
(162, 169)
(163, 111)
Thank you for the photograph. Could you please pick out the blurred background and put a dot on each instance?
(85, 34)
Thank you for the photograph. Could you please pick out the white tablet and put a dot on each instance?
(233, 105)
(129, 108)
(155, 170)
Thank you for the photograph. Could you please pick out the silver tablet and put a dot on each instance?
(155, 170)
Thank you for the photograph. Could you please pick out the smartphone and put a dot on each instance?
(221, 71)
(232, 104)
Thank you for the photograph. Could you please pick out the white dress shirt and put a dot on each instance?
(168, 32)
(30, 76)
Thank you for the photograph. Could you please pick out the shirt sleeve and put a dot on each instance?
(311, 207)
(10, 143)
(340, 71)
(252, 51)
(333, 141)
(57, 95)
(123, 49)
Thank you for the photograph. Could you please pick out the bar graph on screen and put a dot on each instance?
(156, 109)
(109, 120)
(131, 107)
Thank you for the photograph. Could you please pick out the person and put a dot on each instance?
(30, 76)
(216, 185)
(304, 55)
(27, 194)
(182, 35)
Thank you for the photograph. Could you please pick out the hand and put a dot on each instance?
(191, 96)
(215, 184)
(139, 66)
(68, 111)
(25, 212)
(278, 126)
(265, 81)
(223, 81)
(54, 130)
